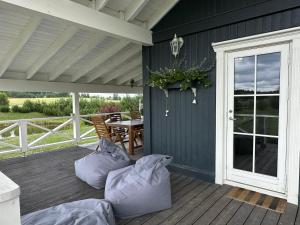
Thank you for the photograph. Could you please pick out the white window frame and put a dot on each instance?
(292, 37)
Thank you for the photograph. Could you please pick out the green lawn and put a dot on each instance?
(20, 101)
(18, 116)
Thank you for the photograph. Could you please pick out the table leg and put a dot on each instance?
(131, 141)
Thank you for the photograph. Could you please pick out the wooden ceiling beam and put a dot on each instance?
(51, 51)
(80, 15)
(19, 44)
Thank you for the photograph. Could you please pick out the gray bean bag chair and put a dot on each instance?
(94, 168)
(85, 212)
(141, 188)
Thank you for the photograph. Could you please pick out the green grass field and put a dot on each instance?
(20, 101)
(19, 116)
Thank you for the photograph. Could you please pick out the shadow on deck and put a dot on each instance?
(48, 179)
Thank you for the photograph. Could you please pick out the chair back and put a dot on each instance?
(135, 115)
(115, 117)
(101, 127)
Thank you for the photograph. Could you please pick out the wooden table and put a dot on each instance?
(131, 125)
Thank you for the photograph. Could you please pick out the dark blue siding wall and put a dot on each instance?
(189, 132)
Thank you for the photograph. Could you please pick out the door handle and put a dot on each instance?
(231, 118)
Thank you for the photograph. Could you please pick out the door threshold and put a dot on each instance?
(257, 199)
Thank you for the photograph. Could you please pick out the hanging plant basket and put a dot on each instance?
(179, 78)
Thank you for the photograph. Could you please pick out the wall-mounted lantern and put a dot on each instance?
(176, 45)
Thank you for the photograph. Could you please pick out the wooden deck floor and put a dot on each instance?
(48, 179)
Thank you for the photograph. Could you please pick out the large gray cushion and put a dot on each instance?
(85, 212)
(94, 168)
(141, 188)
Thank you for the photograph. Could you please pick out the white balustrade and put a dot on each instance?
(75, 122)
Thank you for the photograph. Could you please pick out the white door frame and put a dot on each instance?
(277, 184)
(292, 37)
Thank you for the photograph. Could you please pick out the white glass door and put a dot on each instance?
(257, 115)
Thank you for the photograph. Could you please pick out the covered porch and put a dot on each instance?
(106, 46)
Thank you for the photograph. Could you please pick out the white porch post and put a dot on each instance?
(23, 136)
(220, 117)
(76, 114)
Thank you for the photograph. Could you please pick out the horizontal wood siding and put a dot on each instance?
(188, 133)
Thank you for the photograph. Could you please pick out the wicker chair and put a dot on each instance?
(103, 131)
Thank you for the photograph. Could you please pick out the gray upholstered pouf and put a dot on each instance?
(87, 212)
(94, 168)
(141, 188)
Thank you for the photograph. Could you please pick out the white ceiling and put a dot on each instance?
(41, 49)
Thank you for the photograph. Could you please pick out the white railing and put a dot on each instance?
(27, 140)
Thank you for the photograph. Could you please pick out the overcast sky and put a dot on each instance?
(268, 72)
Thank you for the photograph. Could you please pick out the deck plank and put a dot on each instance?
(213, 212)
(227, 213)
(271, 218)
(297, 221)
(183, 198)
(289, 215)
(190, 212)
(256, 216)
(241, 215)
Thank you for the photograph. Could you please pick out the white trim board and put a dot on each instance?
(27, 85)
(292, 37)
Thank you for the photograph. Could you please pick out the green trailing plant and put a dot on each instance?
(4, 99)
(189, 77)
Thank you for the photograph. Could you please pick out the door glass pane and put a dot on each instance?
(268, 73)
(266, 151)
(243, 152)
(267, 114)
(244, 68)
(243, 113)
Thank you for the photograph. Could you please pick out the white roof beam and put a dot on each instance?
(161, 12)
(129, 76)
(52, 50)
(19, 44)
(87, 17)
(29, 85)
(127, 68)
(106, 54)
(82, 51)
(115, 62)
(134, 9)
(98, 4)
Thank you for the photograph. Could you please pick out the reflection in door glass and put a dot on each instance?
(243, 113)
(243, 152)
(266, 151)
(244, 68)
(268, 73)
(267, 114)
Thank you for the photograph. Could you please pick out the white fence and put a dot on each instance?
(33, 133)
